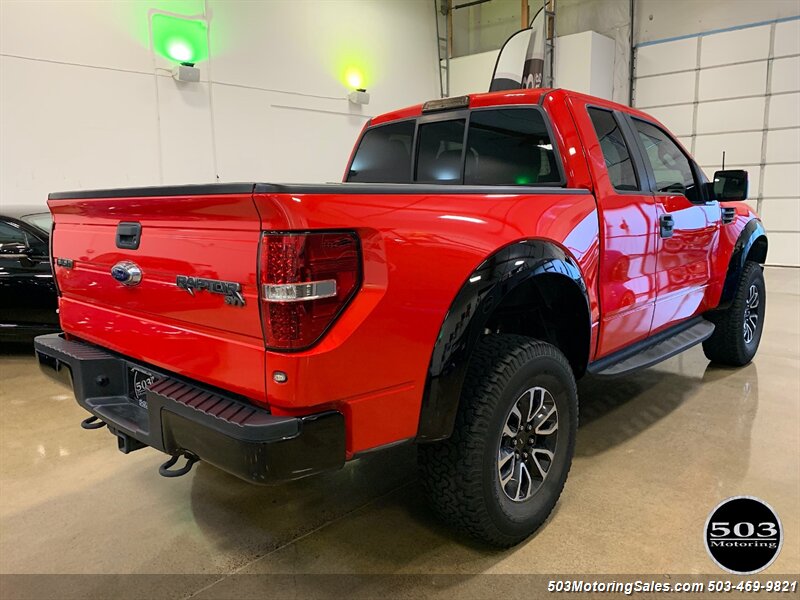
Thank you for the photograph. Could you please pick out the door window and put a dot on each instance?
(615, 151)
(671, 167)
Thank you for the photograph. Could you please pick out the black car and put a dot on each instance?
(27, 292)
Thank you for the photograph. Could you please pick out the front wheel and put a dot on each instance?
(738, 328)
(501, 473)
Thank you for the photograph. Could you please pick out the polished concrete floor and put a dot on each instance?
(656, 452)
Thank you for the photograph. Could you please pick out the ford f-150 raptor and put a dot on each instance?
(482, 254)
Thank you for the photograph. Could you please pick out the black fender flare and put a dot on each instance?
(466, 320)
(753, 231)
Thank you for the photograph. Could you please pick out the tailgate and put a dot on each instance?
(195, 309)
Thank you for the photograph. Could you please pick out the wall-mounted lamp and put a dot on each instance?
(186, 72)
(359, 96)
(181, 40)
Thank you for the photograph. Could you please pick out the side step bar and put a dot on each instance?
(654, 350)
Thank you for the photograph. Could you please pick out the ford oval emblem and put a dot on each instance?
(127, 273)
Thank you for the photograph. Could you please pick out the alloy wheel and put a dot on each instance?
(527, 444)
(751, 314)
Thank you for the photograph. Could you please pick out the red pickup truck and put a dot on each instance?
(482, 254)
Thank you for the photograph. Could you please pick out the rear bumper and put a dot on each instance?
(182, 416)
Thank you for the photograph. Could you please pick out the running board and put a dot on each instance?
(654, 350)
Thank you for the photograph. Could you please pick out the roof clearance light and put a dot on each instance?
(446, 104)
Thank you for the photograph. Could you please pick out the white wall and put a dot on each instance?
(85, 103)
(610, 18)
(584, 62)
(472, 74)
(736, 91)
(659, 19)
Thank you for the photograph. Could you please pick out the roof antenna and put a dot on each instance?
(723, 160)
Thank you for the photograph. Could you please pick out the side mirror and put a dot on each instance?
(730, 185)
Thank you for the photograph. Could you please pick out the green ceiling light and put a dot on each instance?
(178, 39)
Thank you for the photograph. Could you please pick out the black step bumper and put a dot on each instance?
(182, 416)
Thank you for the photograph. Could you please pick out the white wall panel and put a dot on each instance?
(680, 55)
(781, 214)
(306, 46)
(665, 89)
(744, 148)
(781, 180)
(783, 248)
(786, 75)
(57, 135)
(734, 46)
(731, 82)
(730, 115)
(678, 119)
(109, 34)
(787, 38)
(784, 111)
(783, 145)
(472, 73)
(186, 143)
(734, 102)
(279, 143)
(122, 121)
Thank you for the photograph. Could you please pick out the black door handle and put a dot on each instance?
(666, 225)
(129, 235)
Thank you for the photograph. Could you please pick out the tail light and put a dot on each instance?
(307, 279)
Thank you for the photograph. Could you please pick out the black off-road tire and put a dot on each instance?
(727, 345)
(461, 475)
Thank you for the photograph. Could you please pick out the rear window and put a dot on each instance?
(508, 146)
(439, 151)
(384, 155)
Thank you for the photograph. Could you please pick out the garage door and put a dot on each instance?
(738, 91)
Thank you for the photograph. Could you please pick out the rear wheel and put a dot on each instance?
(738, 328)
(501, 473)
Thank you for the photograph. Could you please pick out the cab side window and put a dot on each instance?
(384, 155)
(615, 151)
(671, 167)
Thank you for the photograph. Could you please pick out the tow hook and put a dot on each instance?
(166, 470)
(92, 423)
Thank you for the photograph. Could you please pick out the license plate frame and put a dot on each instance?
(139, 380)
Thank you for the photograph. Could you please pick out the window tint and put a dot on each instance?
(384, 155)
(615, 150)
(670, 165)
(439, 152)
(10, 234)
(509, 147)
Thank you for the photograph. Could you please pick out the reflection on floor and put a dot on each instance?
(656, 451)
